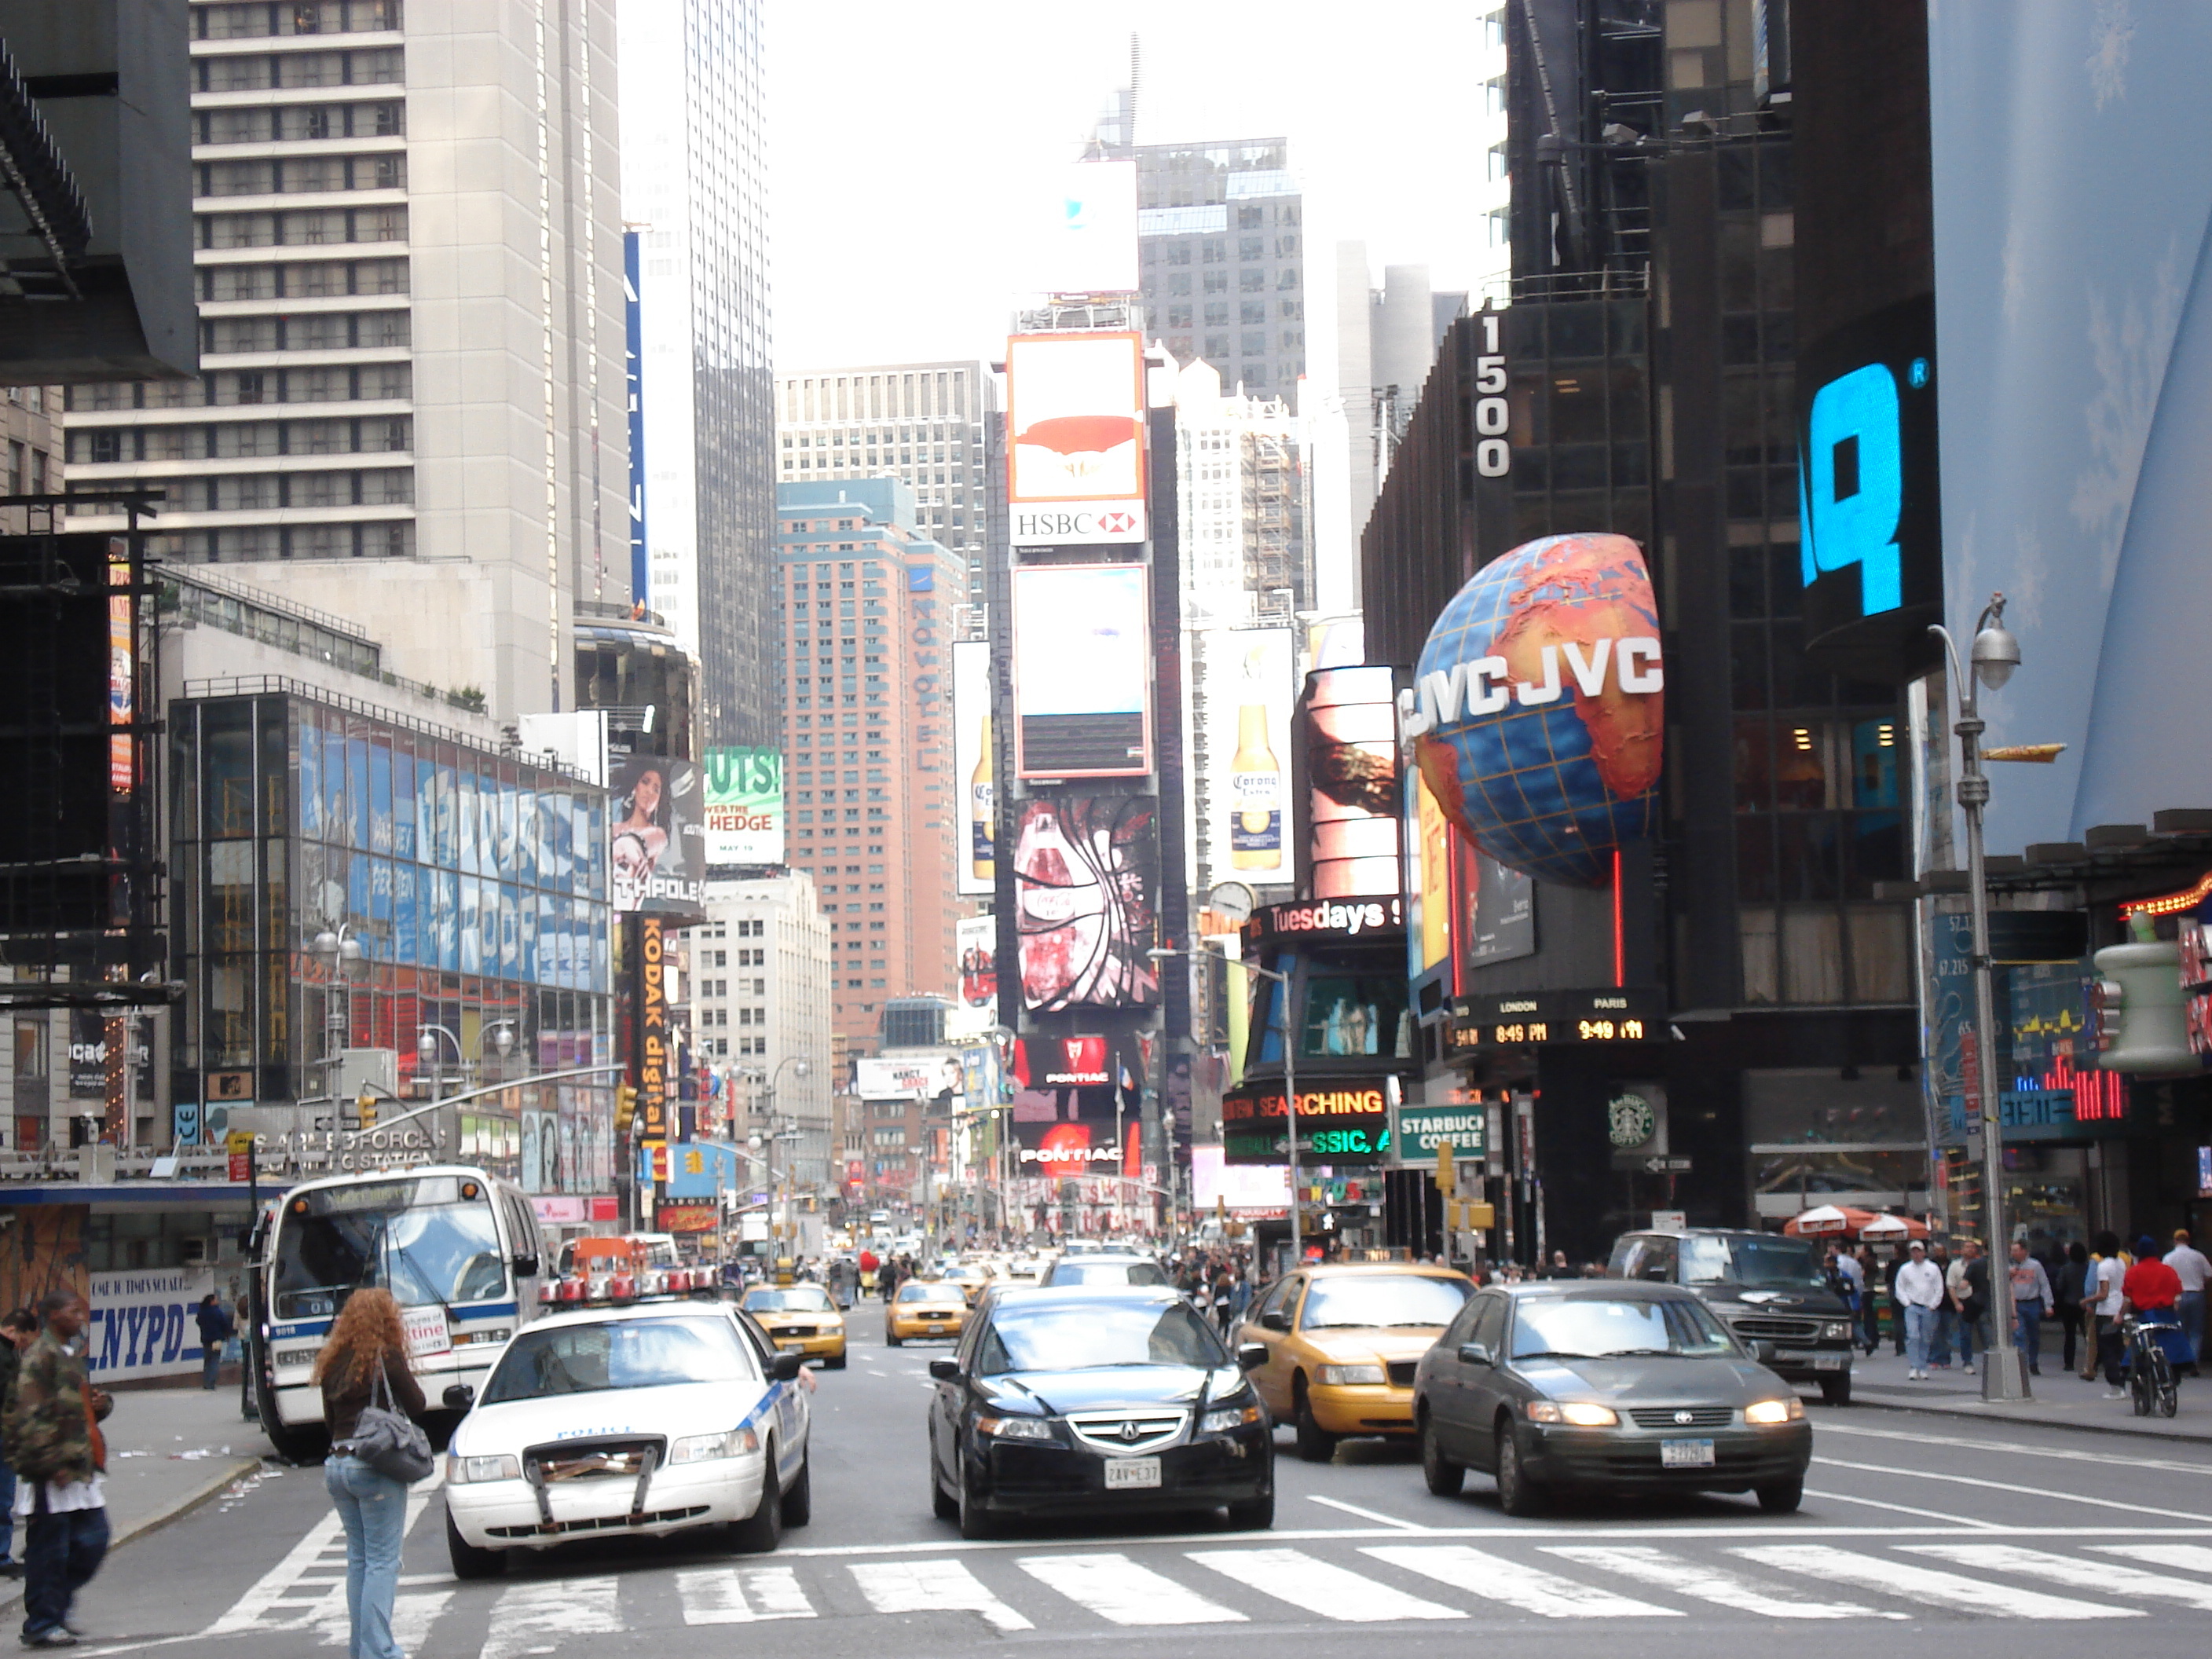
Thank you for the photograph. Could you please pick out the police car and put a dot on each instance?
(646, 1419)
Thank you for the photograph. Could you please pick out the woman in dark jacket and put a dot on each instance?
(367, 1342)
(2069, 1290)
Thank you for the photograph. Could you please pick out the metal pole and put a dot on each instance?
(1290, 1104)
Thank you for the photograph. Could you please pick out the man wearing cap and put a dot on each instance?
(2192, 1268)
(1920, 1291)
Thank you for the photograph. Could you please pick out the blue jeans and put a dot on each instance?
(372, 1507)
(2191, 1309)
(2027, 1331)
(1939, 1344)
(7, 1511)
(1971, 1327)
(1920, 1325)
(60, 1554)
(211, 1364)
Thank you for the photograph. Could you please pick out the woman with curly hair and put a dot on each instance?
(367, 1347)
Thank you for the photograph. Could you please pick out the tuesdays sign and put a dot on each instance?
(141, 1323)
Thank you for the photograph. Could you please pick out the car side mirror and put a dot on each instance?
(1250, 1356)
(1474, 1353)
(944, 1370)
(786, 1367)
(460, 1397)
(1275, 1320)
(526, 1266)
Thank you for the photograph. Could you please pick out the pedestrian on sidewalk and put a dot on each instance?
(2105, 1297)
(2073, 1282)
(367, 1345)
(1870, 1336)
(1947, 1315)
(1896, 1307)
(1919, 1290)
(2031, 1295)
(215, 1325)
(55, 1444)
(2193, 1267)
(17, 1331)
(1968, 1284)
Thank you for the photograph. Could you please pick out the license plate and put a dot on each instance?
(1809, 1361)
(1686, 1454)
(935, 1330)
(1128, 1473)
(787, 1347)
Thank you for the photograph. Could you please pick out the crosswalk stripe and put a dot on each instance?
(272, 1591)
(1116, 1589)
(1902, 1578)
(2071, 1570)
(412, 1616)
(738, 1595)
(1704, 1581)
(546, 1612)
(1496, 1579)
(1320, 1586)
(2189, 1558)
(933, 1587)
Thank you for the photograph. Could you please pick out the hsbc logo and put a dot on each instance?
(1077, 524)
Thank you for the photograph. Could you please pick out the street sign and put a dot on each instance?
(238, 1144)
(1665, 1166)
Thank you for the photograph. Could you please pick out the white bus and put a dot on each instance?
(459, 1248)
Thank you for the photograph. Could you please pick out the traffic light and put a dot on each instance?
(625, 1106)
(1447, 1174)
(365, 1108)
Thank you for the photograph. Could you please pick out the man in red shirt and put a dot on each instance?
(2151, 1286)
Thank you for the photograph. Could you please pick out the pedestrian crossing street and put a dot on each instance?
(1366, 1578)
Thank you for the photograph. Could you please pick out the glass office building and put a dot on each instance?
(473, 883)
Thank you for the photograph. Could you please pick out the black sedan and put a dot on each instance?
(1608, 1385)
(1107, 1400)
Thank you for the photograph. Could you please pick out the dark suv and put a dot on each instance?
(1772, 1290)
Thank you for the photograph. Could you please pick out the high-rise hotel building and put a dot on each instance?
(410, 409)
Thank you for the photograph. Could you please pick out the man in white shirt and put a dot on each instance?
(2112, 1342)
(2193, 1267)
(1920, 1291)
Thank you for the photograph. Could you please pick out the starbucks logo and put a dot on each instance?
(1630, 1121)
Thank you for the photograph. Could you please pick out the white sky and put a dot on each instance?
(905, 140)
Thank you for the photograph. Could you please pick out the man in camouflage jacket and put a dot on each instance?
(55, 1444)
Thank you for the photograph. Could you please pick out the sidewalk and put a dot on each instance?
(2061, 1400)
(170, 1450)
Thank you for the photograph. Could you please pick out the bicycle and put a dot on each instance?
(2152, 1369)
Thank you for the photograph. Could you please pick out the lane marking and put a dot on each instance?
(1320, 1586)
(271, 1592)
(1670, 1572)
(1367, 1515)
(2014, 1446)
(412, 1618)
(2072, 1571)
(741, 1596)
(2007, 1486)
(538, 1616)
(1515, 1583)
(1904, 1580)
(933, 1587)
(1906, 1508)
(1119, 1590)
(2189, 1558)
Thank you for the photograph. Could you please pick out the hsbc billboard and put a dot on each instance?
(1077, 524)
(1075, 438)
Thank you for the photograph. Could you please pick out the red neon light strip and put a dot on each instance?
(1619, 930)
(2168, 904)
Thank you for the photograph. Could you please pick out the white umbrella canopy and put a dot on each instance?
(1827, 1218)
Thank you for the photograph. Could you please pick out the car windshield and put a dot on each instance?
(417, 1239)
(1756, 1264)
(1107, 1273)
(915, 1290)
(1600, 1328)
(1078, 1336)
(634, 1353)
(798, 1299)
(1372, 1300)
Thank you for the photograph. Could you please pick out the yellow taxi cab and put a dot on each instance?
(971, 1277)
(801, 1319)
(925, 1307)
(1342, 1342)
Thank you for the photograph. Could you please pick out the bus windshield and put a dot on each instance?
(419, 1239)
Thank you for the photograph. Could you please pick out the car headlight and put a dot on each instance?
(459, 1471)
(1015, 1428)
(703, 1447)
(1836, 1330)
(1228, 1417)
(1333, 1376)
(1578, 1413)
(1774, 1411)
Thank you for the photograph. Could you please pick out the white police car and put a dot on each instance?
(610, 1422)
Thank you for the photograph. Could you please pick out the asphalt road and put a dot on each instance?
(1989, 1540)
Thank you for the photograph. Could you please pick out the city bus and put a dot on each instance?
(459, 1247)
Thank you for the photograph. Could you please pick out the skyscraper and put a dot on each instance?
(867, 601)
(701, 482)
(409, 412)
(934, 427)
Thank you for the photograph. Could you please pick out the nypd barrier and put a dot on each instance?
(141, 1323)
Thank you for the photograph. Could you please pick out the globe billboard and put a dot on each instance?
(1538, 715)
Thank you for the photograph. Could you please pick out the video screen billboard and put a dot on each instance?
(1082, 670)
(745, 806)
(1075, 438)
(976, 938)
(1077, 1149)
(1086, 902)
(976, 789)
(1244, 677)
(1352, 780)
(906, 1077)
(656, 848)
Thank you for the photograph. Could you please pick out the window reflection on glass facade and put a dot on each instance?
(474, 883)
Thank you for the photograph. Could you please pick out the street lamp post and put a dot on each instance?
(801, 1067)
(340, 952)
(1290, 1081)
(1994, 654)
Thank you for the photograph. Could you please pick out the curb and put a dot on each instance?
(1976, 1414)
(12, 1590)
